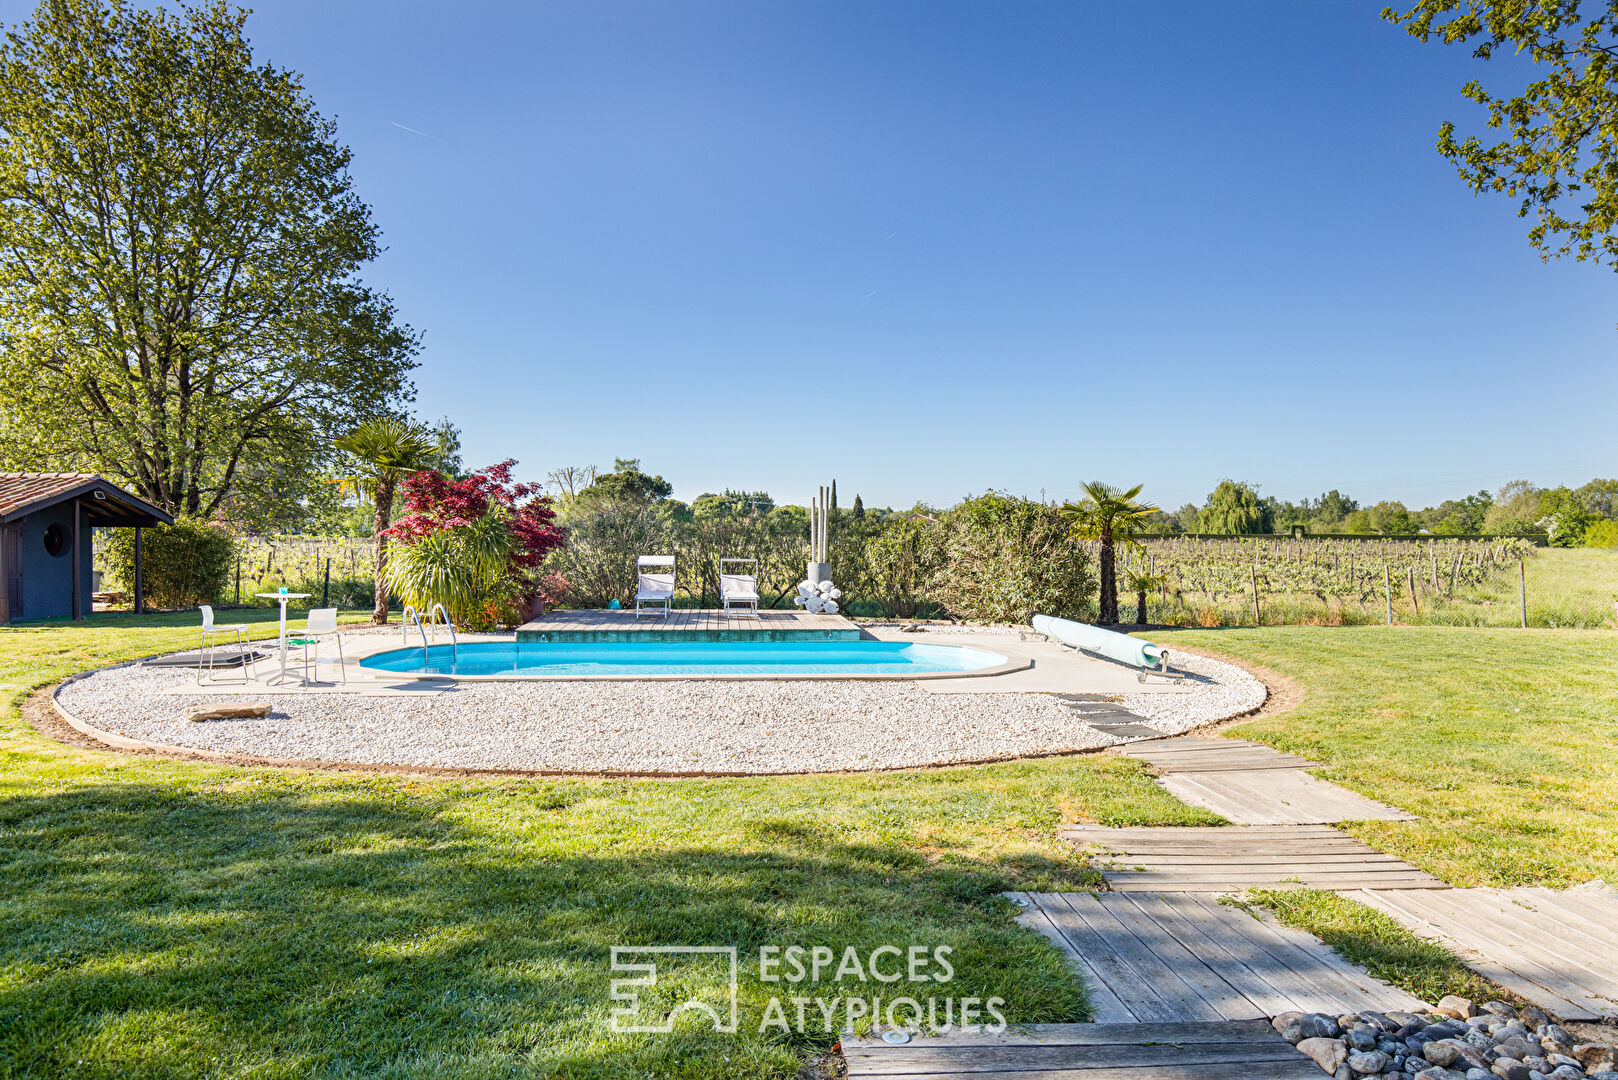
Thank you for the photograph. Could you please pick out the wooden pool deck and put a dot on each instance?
(688, 624)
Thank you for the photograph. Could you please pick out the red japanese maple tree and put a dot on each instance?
(434, 502)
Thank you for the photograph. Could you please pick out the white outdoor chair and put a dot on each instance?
(211, 640)
(655, 590)
(738, 588)
(322, 623)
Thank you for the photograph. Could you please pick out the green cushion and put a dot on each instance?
(302, 641)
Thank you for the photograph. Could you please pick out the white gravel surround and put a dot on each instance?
(642, 727)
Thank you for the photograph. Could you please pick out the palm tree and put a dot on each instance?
(384, 451)
(1111, 516)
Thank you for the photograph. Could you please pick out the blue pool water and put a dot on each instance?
(685, 658)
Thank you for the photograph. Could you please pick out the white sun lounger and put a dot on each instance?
(656, 591)
(738, 588)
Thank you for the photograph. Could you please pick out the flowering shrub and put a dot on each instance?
(472, 545)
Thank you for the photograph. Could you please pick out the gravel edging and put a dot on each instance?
(691, 728)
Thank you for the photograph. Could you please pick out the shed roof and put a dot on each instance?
(22, 494)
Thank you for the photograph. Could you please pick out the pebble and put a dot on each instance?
(759, 727)
(1492, 1045)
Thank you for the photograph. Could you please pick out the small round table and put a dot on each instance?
(281, 641)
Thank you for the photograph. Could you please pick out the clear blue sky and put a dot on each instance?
(931, 248)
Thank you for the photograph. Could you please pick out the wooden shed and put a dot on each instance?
(45, 551)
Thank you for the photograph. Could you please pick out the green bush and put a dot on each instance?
(1005, 558)
(182, 565)
(1601, 534)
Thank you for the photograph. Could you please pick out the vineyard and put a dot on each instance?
(268, 562)
(1283, 580)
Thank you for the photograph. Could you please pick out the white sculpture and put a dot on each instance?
(818, 596)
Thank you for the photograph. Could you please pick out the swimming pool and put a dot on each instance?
(530, 659)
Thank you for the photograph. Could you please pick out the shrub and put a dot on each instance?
(1005, 558)
(896, 563)
(1601, 534)
(473, 544)
(182, 565)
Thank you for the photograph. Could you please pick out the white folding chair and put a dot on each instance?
(211, 633)
(738, 588)
(654, 590)
(322, 623)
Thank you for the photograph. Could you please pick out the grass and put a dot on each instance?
(172, 919)
(1501, 741)
(1376, 942)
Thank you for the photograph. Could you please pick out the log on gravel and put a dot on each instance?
(227, 710)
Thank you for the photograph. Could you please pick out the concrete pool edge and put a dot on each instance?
(1008, 666)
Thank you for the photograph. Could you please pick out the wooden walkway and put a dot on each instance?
(1241, 857)
(1252, 784)
(1239, 1050)
(1190, 753)
(689, 624)
(1171, 957)
(1558, 949)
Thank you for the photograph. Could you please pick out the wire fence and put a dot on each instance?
(1280, 580)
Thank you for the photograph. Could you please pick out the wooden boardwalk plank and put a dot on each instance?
(1217, 991)
(1234, 858)
(1485, 947)
(1166, 984)
(1142, 994)
(1228, 1050)
(1104, 1004)
(1351, 986)
(1276, 797)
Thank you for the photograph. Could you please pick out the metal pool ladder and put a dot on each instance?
(412, 615)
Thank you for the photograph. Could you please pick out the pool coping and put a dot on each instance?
(1009, 665)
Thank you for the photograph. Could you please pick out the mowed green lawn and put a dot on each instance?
(173, 919)
(1503, 741)
(168, 919)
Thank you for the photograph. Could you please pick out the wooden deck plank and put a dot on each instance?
(1355, 988)
(1276, 797)
(1097, 1034)
(1209, 985)
(1166, 984)
(1224, 1050)
(1233, 858)
(1105, 1006)
(1481, 948)
(1134, 990)
(1272, 987)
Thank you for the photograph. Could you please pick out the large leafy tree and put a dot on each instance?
(380, 454)
(1109, 516)
(179, 241)
(1557, 147)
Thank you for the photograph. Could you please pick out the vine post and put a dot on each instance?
(1522, 589)
(1387, 590)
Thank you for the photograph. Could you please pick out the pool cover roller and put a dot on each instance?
(1112, 645)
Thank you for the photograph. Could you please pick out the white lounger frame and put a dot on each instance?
(726, 593)
(654, 592)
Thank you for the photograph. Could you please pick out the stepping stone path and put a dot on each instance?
(1254, 785)
(1162, 957)
(1181, 986)
(1241, 857)
(1107, 717)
